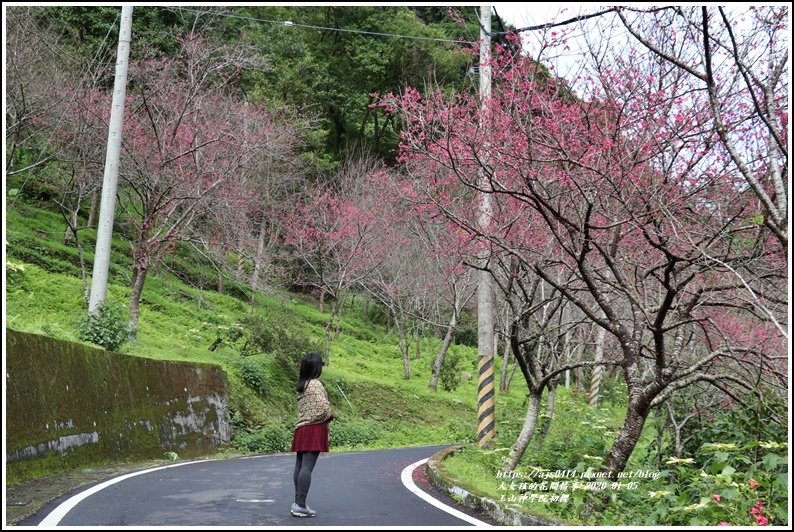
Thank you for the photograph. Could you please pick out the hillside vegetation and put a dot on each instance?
(375, 406)
(331, 179)
(180, 321)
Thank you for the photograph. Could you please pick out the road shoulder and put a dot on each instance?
(27, 498)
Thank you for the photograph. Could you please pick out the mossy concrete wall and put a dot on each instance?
(69, 405)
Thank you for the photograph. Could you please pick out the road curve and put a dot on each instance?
(348, 489)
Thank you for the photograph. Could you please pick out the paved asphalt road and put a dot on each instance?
(348, 489)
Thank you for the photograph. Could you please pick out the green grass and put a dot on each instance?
(179, 321)
(578, 441)
(375, 406)
(181, 316)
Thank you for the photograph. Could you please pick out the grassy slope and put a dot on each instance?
(179, 322)
(577, 442)
(375, 407)
(364, 380)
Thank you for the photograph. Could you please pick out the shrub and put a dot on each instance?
(271, 438)
(290, 350)
(256, 336)
(728, 486)
(614, 391)
(377, 314)
(253, 375)
(739, 425)
(274, 334)
(450, 371)
(107, 327)
(731, 463)
(355, 433)
(582, 438)
(466, 336)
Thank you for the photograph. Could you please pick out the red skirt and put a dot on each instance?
(311, 438)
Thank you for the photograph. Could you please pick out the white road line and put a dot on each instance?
(55, 516)
(408, 482)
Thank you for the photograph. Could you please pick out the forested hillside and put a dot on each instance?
(330, 179)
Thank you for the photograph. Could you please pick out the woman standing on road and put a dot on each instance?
(311, 430)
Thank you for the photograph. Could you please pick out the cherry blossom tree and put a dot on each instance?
(249, 219)
(33, 69)
(395, 279)
(187, 142)
(453, 282)
(622, 202)
(331, 234)
(735, 62)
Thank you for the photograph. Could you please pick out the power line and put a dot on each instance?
(548, 25)
(289, 24)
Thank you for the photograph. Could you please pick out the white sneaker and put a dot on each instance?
(301, 511)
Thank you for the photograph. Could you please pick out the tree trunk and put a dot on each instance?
(442, 352)
(338, 309)
(260, 256)
(677, 428)
(533, 407)
(404, 347)
(567, 359)
(660, 426)
(327, 353)
(91, 224)
(578, 376)
(546, 423)
(238, 274)
(505, 365)
(71, 227)
(329, 328)
(138, 279)
(627, 438)
(81, 257)
(512, 373)
(598, 371)
(322, 300)
(417, 346)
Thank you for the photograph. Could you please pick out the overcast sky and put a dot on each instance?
(533, 14)
(521, 15)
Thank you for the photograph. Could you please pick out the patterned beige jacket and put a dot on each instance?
(313, 405)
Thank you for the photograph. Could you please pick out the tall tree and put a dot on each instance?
(737, 61)
(639, 213)
(331, 234)
(35, 63)
(186, 143)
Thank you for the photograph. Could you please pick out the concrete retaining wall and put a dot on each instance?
(69, 405)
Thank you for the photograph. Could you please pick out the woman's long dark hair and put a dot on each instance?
(311, 368)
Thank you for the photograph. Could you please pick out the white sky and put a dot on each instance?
(525, 14)
(533, 14)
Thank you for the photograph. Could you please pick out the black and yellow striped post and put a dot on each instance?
(485, 401)
(485, 290)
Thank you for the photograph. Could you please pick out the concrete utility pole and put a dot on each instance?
(107, 209)
(485, 293)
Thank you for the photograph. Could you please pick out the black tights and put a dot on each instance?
(302, 476)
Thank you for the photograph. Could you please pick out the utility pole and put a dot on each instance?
(107, 209)
(485, 293)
